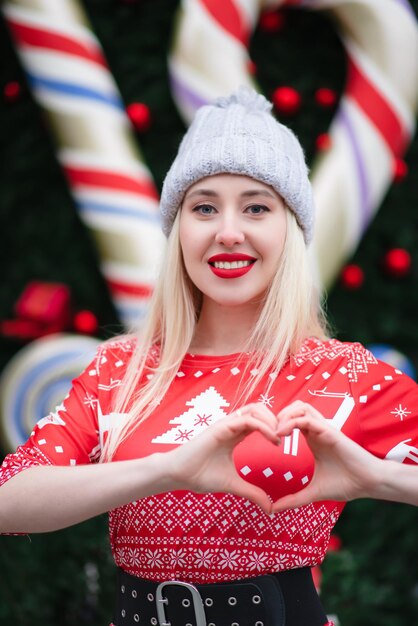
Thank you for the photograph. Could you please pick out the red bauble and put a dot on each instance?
(335, 543)
(323, 142)
(271, 21)
(140, 116)
(400, 170)
(251, 67)
(352, 277)
(286, 100)
(12, 91)
(397, 262)
(325, 97)
(85, 322)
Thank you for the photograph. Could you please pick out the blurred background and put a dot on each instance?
(52, 282)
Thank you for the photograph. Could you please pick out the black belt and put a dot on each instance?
(284, 599)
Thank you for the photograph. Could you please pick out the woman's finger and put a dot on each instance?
(251, 492)
(242, 426)
(258, 410)
(298, 408)
(308, 424)
(295, 500)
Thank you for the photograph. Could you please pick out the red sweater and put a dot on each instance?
(213, 537)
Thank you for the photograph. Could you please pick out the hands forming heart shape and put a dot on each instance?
(343, 469)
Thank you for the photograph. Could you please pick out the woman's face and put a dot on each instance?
(232, 234)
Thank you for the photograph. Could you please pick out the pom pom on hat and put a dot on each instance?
(248, 98)
(239, 135)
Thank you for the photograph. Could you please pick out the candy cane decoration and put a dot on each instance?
(112, 187)
(373, 125)
(37, 379)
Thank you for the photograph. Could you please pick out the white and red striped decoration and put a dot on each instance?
(372, 127)
(112, 186)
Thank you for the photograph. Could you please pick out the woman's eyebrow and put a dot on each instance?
(257, 192)
(202, 192)
(245, 194)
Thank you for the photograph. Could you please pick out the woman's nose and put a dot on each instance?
(229, 232)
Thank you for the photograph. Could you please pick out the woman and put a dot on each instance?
(234, 336)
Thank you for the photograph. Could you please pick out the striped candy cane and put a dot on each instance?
(112, 187)
(37, 379)
(374, 123)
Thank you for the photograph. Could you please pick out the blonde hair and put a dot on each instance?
(290, 313)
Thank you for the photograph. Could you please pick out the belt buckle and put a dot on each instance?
(197, 603)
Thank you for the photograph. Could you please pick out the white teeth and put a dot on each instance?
(234, 265)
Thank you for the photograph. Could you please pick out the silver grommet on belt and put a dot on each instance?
(186, 603)
(123, 612)
(136, 617)
(232, 601)
(259, 624)
(150, 597)
(234, 624)
(154, 621)
(122, 589)
(208, 602)
(134, 593)
(211, 624)
(256, 600)
(188, 624)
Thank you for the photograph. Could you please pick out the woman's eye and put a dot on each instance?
(204, 209)
(257, 209)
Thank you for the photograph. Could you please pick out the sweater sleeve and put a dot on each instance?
(68, 435)
(387, 406)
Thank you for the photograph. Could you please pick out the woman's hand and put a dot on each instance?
(46, 498)
(343, 469)
(206, 464)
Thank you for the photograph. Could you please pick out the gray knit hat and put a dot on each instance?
(239, 135)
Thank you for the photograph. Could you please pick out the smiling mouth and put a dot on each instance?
(231, 269)
(230, 265)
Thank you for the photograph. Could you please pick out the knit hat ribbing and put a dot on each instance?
(239, 135)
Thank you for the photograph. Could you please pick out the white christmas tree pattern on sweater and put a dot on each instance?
(205, 409)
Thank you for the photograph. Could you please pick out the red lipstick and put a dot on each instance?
(228, 272)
